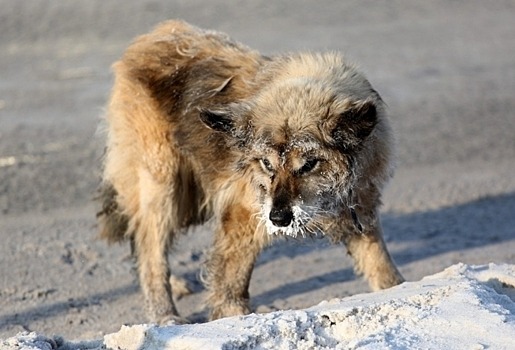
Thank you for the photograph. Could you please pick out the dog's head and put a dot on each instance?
(305, 140)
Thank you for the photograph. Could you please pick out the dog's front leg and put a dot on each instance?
(371, 258)
(229, 267)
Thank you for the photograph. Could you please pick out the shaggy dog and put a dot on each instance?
(201, 127)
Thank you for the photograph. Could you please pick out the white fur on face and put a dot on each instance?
(298, 225)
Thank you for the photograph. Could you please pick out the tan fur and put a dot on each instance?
(202, 127)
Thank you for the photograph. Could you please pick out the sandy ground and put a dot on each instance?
(446, 70)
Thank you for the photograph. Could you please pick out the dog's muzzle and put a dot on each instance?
(281, 217)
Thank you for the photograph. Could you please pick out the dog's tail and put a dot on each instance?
(112, 222)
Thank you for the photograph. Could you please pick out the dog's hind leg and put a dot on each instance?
(154, 229)
(229, 267)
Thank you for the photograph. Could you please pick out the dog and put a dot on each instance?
(200, 127)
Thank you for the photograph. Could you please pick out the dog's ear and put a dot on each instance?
(218, 120)
(350, 128)
(230, 121)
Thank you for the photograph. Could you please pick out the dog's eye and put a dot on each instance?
(266, 165)
(308, 166)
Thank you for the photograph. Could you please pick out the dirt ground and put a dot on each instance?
(445, 68)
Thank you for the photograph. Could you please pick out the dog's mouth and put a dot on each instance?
(289, 222)
(301, 221)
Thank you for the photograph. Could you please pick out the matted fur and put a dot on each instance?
(201, 127)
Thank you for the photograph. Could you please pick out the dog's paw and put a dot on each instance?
(173, 320)
(234, 308)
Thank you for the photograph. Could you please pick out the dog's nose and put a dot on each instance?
(281, 217)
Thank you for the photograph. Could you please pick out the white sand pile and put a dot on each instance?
(463, 307)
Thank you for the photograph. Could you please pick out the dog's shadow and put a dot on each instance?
(479, 223)
(486, 221)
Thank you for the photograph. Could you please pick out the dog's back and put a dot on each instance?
(161, 82)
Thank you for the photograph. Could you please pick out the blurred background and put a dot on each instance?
(446, 70)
